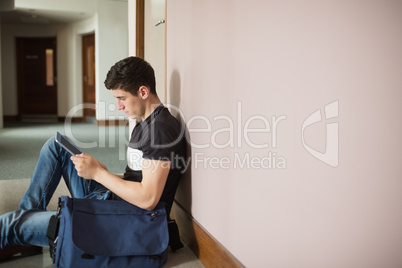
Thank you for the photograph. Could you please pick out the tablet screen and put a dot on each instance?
(63, 141)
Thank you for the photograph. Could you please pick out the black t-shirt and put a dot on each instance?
(159, 137)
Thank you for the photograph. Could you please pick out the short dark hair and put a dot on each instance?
(130, 74)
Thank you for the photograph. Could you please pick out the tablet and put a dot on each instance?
(67, 144)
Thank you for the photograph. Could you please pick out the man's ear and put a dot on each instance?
(143, 92)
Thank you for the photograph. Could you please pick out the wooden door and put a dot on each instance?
(37, 84)
(88, 68)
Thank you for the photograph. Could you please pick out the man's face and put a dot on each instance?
(131, 105)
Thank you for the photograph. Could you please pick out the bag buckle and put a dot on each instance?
(153, 215)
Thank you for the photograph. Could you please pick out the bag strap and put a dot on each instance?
(53, 231)
(174, 235)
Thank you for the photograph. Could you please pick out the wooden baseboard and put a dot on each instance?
(102, 123)
(210, 252)
(73, 119)
(105, 123)
(11, 118)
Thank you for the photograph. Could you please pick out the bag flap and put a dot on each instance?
(117, 228)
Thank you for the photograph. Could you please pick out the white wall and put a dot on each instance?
(236, 62)
(69, 38)
(110, 25)
(112, 46)
(78, 6)
(132, 18)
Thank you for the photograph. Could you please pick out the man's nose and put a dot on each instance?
(120, 106)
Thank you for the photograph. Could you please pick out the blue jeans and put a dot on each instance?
(28, 225)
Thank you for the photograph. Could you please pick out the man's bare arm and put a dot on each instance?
(144, 194)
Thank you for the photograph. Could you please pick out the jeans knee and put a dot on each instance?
(51, 141)
(49, 144)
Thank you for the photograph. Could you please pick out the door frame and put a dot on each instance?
(84, 65)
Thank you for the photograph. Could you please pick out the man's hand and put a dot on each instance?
(87, 166)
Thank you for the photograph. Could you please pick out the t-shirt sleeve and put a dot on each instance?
(161, 143)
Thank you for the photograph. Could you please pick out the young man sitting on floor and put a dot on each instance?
(155, 155)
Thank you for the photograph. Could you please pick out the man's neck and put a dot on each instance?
(151, 106)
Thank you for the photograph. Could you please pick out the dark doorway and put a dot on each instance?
(36, 74)
(88, 68)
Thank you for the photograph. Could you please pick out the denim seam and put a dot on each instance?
(47, 186)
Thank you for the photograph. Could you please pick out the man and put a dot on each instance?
(156, 157)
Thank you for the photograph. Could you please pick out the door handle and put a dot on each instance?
(159, 22)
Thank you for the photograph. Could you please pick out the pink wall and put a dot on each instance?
(248, 77)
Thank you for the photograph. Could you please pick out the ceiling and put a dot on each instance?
(32, 16)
